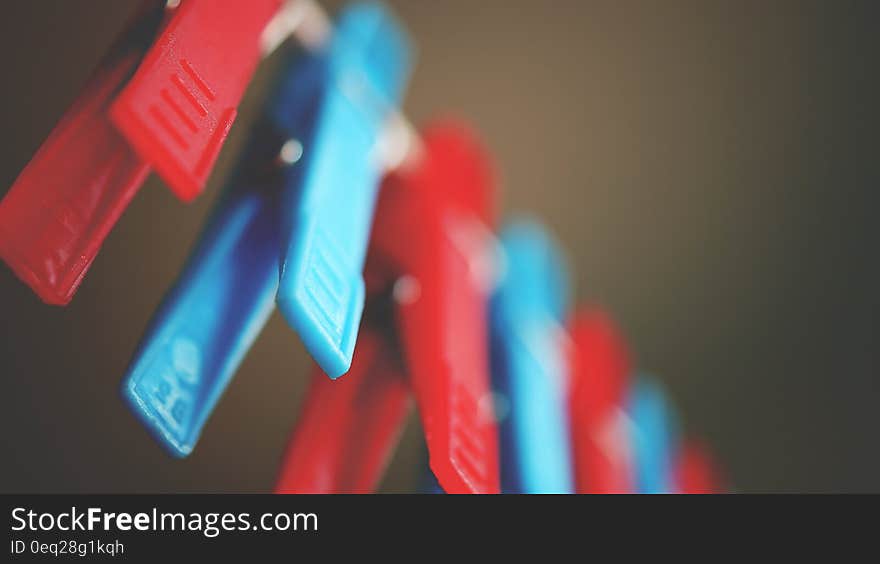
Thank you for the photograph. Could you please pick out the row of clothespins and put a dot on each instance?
(424, 301)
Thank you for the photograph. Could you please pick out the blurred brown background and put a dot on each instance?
(711, 168)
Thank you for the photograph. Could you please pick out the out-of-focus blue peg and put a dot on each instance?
(338, 117)
(226, 292)
(529, 371)
(653, 437)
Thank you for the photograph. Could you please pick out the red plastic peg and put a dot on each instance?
(599, 374)
(180, 104)
(61, 207)
(348, 428)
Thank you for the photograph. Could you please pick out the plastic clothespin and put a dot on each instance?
(329, 198)
(61, 207)
(56, 215)
(211, 316)
(226, 292)
(600, 366)
(529, 362)
(179, 106)
(695, 471)
(430, 246)
(654, 437)
(426, 271)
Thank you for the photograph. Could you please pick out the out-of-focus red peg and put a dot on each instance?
(348, 427)
(600, 367)
(695, 471)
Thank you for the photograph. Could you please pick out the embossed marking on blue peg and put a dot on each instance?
(218, 305)
(528, 366)
(653, 437)
(207, 322)
(330, 194)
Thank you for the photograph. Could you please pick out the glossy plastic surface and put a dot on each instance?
(177, 109)
(529, 362)
(600, 365)
(336, 109)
